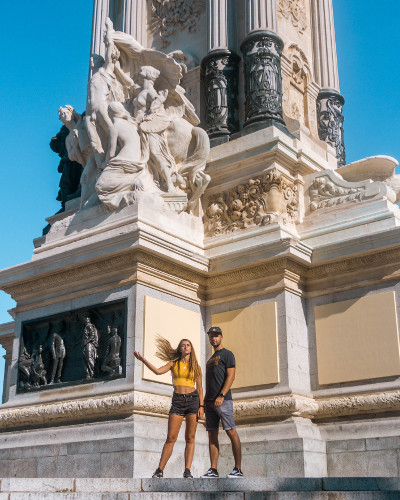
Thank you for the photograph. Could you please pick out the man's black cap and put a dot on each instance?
(215, 330)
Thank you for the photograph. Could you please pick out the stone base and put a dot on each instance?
(185, 489)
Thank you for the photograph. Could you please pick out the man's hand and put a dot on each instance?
(200, 413)
(218, 402)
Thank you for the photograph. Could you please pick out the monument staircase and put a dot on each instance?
(380, 488)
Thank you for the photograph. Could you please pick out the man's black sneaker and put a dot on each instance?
(236, 473)
(188, 474)
(211, 473)
(158, 473)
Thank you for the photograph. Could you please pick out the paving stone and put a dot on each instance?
(69, 496)
(117, 464)
(24, 467)
(187, 496)
(35, 484)
(105, 485)
(360, 484)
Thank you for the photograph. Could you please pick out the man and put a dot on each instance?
(220, 374)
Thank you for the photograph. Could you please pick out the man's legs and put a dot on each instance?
(236, 447)
(213, 446)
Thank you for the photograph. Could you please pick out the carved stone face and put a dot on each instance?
(65, 115)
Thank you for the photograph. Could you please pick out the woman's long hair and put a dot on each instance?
(166, 352)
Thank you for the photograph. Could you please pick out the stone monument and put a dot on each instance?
(214, 191)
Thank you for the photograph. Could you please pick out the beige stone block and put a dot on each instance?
(171, 322)
(357, 339)
(251, 334)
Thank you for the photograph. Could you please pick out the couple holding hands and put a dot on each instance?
(188, 400)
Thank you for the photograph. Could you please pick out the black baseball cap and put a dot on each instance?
(215, 330)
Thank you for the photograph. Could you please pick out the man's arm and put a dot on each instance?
(230, 377)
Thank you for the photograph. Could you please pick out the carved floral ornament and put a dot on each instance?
(294, 10)
(260, 201)
(168, 15)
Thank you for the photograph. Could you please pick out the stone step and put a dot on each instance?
(201, 489)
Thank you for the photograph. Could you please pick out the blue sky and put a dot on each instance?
(47, 45)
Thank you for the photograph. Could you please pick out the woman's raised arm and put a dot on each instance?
(157, 371)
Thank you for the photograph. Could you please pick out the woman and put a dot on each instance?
(186, 401)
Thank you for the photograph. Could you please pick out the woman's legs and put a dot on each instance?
(174, 425)
(190, 433)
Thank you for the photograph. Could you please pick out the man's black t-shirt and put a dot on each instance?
(216, 373)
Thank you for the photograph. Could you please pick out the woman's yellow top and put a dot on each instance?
(183, 377)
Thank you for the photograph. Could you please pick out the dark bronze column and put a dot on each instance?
(262, 51)
(330, 121)
(220, 70)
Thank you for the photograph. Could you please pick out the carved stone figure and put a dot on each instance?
(25, 363)
(112, 361)
(90, 344)
(70, 170)
(80, 150)
(58, 353)
(38, 373)
(108, 83)
(135, 93)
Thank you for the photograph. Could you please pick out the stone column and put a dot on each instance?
(7, 341)
(329, 102)
(220, 70)
(134, 20)
(262, 51)
(100, 12)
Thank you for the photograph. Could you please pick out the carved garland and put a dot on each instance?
(260, 201)
(125, 404)
(168, 15)
(294, 10)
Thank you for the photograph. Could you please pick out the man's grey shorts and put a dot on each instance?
(223, 413)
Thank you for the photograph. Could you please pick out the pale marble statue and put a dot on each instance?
(139, 127)
(108, 83)
(80, 150)
(125, 172)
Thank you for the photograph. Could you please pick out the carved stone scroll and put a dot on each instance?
(221, 75)
(168, 15)
(262, 51)
(327, 189)
(263, 200)
(330, 121)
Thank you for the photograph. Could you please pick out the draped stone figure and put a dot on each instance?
(90, 344)
(141, 129)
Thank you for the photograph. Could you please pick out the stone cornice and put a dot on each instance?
(127, 403)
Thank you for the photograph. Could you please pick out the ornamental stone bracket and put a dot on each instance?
(327, 189)
(128, 403)
(267, 199)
